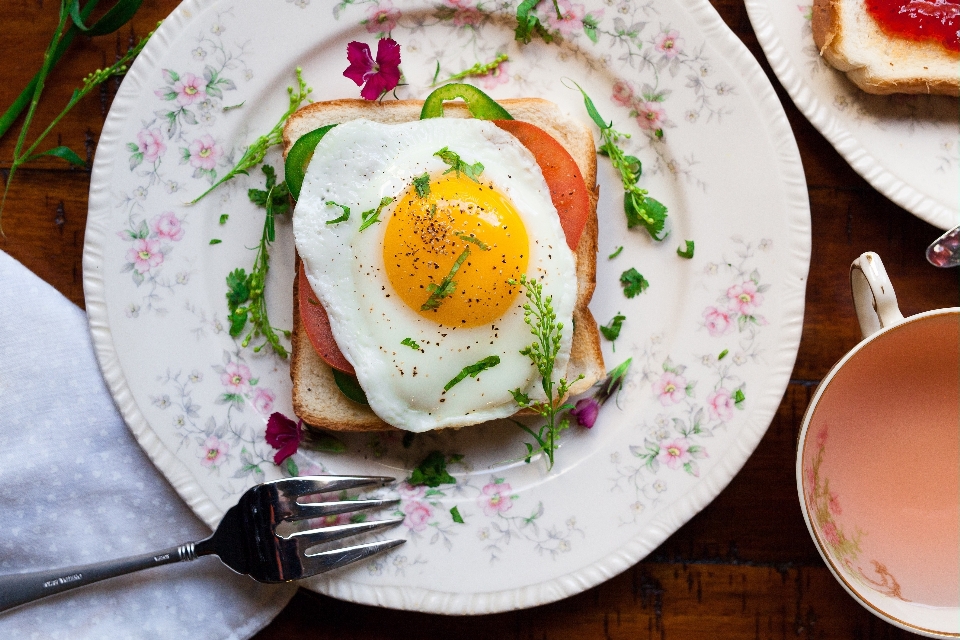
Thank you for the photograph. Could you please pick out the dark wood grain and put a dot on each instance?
(744, 567)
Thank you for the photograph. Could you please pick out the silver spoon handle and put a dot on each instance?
(945, 250)
(21, 588)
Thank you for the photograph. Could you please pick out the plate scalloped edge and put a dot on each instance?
(574, 582)
(821, 117)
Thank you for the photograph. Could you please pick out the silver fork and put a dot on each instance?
(246, 540)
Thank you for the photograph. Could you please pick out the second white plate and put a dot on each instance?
(907, 147)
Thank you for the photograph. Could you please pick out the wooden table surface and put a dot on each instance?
(745, 567)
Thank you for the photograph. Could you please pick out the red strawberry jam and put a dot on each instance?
(927, 20)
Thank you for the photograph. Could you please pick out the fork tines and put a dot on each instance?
(285, 507)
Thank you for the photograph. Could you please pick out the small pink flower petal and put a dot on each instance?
(361, 62)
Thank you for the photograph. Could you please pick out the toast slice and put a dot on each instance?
(852, 41)
(316, 398)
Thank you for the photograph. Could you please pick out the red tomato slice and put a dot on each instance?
(317, 325)
(567, 191)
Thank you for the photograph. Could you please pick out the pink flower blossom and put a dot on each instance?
(671, 388)
(150, 144)
(382, 18)
(572, 19)
(744, 297)
(189, 88)
(204, 153)
(650, 115)
(495, 499)
(669, 43)
(586, 412)
(236, 377)
(822, 437)
(214, 451)
(496, 77)
(834, 504)
(831, 534)
(417, 514)
(622, 93)
(467, 17)
(167, 226)
(284, 435)
(408, 491)
(717, 321)
(263, 401)
(376, 76)
(145, 254)
(675, 453)
(720, 405)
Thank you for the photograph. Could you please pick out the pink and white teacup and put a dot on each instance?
(878, 463)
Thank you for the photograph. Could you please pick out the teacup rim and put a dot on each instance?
(801, 440)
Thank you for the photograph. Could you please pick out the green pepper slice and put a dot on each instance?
(479, 104)
(299, 157)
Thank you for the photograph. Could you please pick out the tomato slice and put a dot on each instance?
(317, 325)
(567, 191)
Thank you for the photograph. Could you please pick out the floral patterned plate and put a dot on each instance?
(713, 339)
(907, 147)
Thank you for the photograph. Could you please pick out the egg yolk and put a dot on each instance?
(451, 254)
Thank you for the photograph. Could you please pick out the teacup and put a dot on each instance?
(878, 463)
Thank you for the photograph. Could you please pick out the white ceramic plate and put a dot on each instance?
(907, 147)
(197, 400)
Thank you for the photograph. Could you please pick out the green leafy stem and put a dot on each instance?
(245, 291)
(257, 151)
(69, 11)
(540, 316)
(640, 209)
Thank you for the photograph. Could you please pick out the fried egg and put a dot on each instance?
(421, 279)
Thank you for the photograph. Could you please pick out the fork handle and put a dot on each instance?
(20, 588)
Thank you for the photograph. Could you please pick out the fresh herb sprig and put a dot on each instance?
(22, 156)
(453, 159)
(245, 292)
(539, 315)
(529, 24)
(479, 69)
(257, 151)
(446, 287)
(641, 210)
(472, 370)
(373, 215)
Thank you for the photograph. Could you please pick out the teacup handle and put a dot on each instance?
(873, 295)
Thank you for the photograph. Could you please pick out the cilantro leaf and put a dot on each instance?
(344, 217)
(455, 514)
(643, 211)
(528, 24)
(373, 215)
(615, 253)
(446, 287)
(422, 185)
(453, 159)
(611, 331)
(688, 252)
(633, 283)
(409, 342)
(432, 472)
(475, 240)
(473, 371)
(238, 288)
(223, 218)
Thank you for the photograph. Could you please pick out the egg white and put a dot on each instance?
(358, 163)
